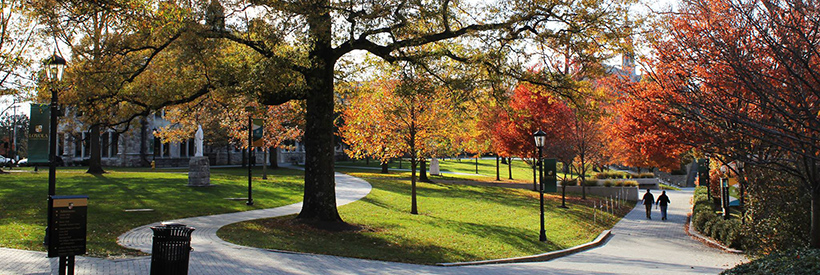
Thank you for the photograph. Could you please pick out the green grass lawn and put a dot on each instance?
(521, 171)
(23, 196)
(455, 223)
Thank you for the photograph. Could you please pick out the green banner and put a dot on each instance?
(257, 132)
(550, 175)
(38, 133)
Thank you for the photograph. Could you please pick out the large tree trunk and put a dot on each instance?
(144, 143)
(423, 170)
(815, 219)
(274, 157)
(319, 205)
(509, 167)
(384, 167)
(583, 172)
(95, 162)
(413, 204)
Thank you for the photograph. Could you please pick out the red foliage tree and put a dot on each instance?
(529, 110)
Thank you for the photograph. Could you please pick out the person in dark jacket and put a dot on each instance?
(663, 202)
(648, 200)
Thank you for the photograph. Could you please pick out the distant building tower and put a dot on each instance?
(628, 58)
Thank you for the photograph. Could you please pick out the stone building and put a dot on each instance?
(139, 147)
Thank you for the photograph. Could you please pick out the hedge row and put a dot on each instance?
(623, 175)
(794, 261)
(620, 183)
(708, 223)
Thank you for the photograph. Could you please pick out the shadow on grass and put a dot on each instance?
(283, 233)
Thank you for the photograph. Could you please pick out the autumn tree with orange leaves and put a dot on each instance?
(741, 79)
(407, 115)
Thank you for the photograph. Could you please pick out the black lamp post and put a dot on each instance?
(250, 110)
(724, 191)
(540, 139)
(55, 65)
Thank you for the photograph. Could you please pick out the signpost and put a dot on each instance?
(67, 229)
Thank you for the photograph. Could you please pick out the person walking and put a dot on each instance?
(648, 200)
(663, 202)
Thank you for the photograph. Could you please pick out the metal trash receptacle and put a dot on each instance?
(171, 249)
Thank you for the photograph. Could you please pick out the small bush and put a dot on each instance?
(630, 183)
(700, 220)
(706, 221)
(608, 183)
(610, 175)
(793, 261)
(730, 236)
(590, 182)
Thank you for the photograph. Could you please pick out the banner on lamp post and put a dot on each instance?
(258, 133)
(38, 133)
(550, 175)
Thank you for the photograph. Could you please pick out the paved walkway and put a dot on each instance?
(638, 246)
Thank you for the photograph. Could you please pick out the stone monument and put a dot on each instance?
(434, 167)
(199, 170)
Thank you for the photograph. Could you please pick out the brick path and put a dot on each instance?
(638, 246)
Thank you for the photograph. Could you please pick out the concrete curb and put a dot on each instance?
(709, 241)
(600, 240)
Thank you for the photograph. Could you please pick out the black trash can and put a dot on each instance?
(171, 249)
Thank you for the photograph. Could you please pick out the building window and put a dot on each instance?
(166, 149)
(78, 147)
(115, 143)
(86, 147)
(60, 144)
(183, 149)
(157, 146)
(104, 139)
(191, 149)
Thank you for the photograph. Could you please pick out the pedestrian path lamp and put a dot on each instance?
(540, 139)
(250, 110)
(724, 191)
(55, 65)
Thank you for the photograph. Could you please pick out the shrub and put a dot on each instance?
(793, 261)
(730, 236)
(590, 182)
(630, 183)
(699, 221)
(778, 212)
(610, 175)
(710, 224)
(608, 183)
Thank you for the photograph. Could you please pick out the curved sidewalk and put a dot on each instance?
(638, 246)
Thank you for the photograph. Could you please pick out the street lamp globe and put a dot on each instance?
(55, 66)
(540, 138)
